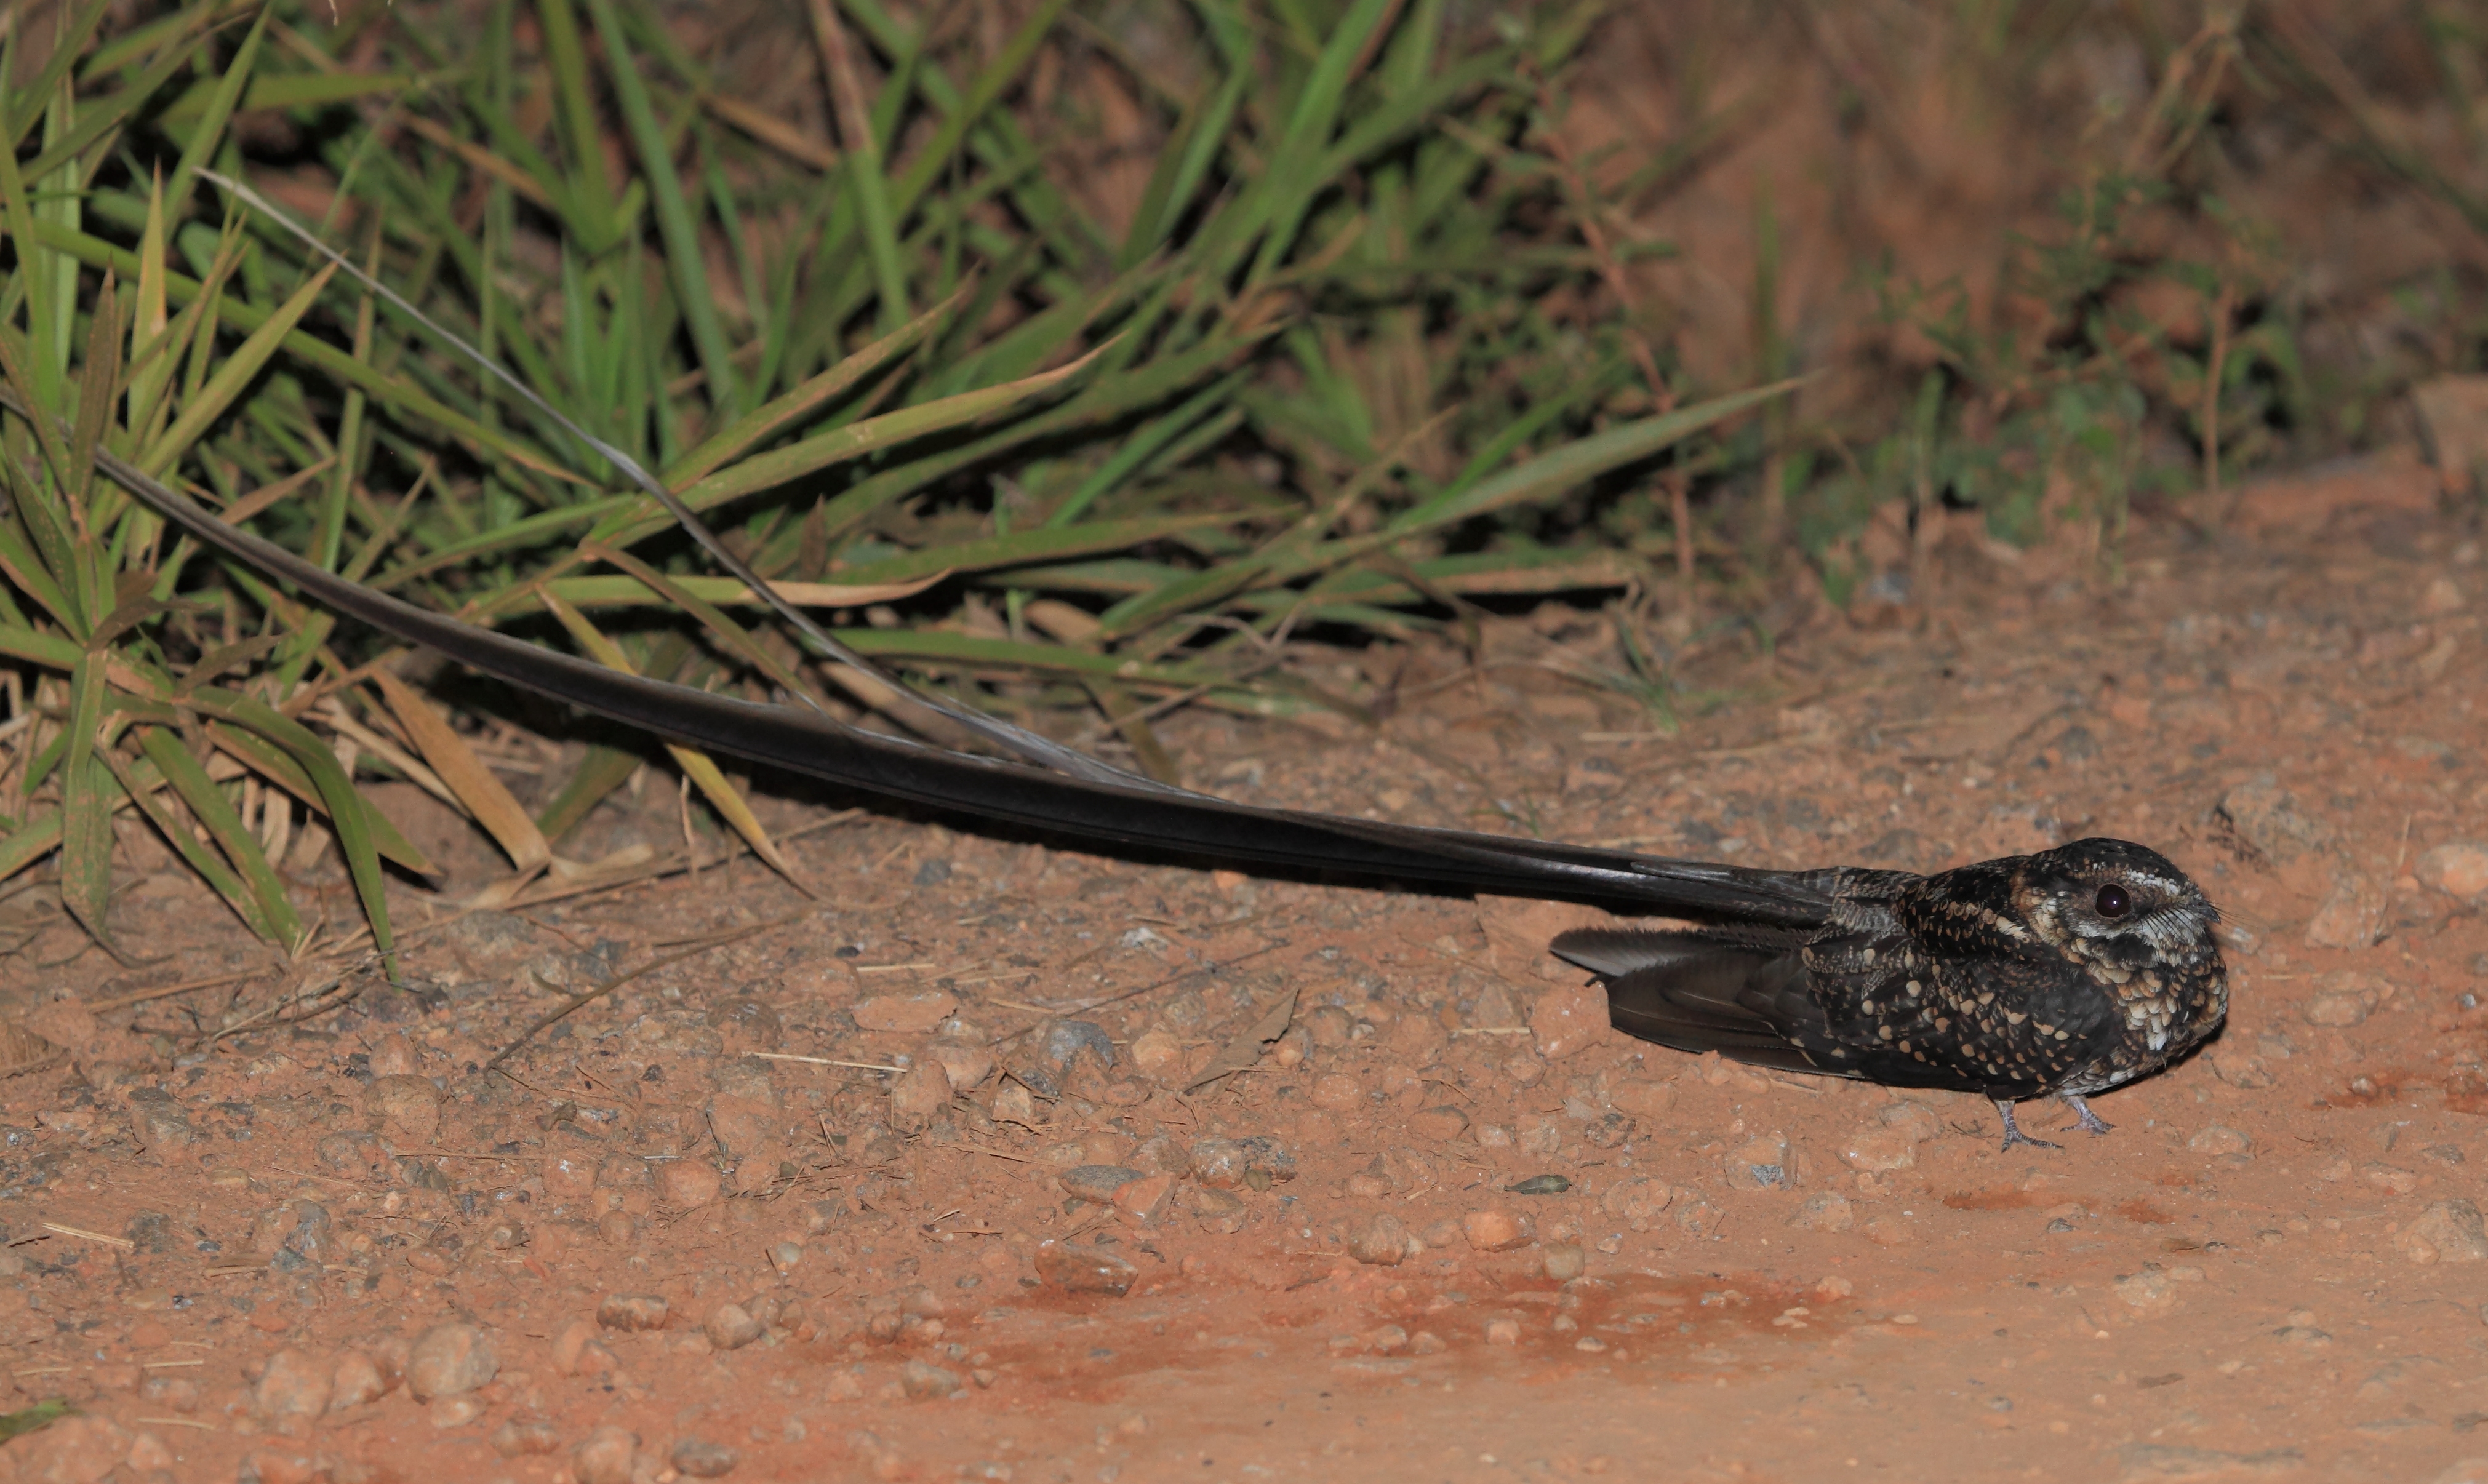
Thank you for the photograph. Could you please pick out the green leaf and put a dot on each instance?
(38, 837)
(209, 130)
(346, 807)
(279, 768)
(87, 791)
(237, 371)
(683, 251)
(294, 90)
(27, 1419)
(212, 868)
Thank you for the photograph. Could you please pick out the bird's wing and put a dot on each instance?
(1744, 993)
(1173, 821)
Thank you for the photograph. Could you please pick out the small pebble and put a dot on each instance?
(577, 1350)
(1564, 1261)
(1380, 1240)
(1878, 1147)
(569, 1176)
(1338, 1091)
(605, 1456)
(918, 1094)
(702, 1459)
(354, 1379)
(1096, 1183)
(731, 1327)
(2459, 870)
(1085, 1269)
(1144, 1199)
(689, 1183)
(1158, 1052)
(1567, 1018)
(966, 1059)
(1759, 1163)
(911, 1013)
(408, 1106)
(2337, 1009)
(632, 1311)
(1256, 1159)
(1493, 1230)
(2217, 1138)
(449, 1360)
(924, 1381)
(1503, 1331)
(294, 1386)
(1920, 1123)
(1329, 1026)
(1829, 1211)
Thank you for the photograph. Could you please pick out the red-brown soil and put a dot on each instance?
(2270, 1271)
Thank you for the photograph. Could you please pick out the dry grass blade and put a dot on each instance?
(478, 791)
(698, 765)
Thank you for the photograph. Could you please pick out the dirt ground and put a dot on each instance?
(1480, 1236)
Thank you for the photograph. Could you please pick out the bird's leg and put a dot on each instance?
(2013, 1133)
(2082, 1111)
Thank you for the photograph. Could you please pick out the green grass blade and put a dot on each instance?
(346, 816)
(209, 130)
(599, 773)
(683, 251)
(764, 423)
(237, 371)
(87, 795)
(795, 461)
(31, 841)
(1577, 463)
(389, 391)
(280, 769)
(262, 895)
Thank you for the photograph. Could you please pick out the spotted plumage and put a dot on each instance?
(2066, 972)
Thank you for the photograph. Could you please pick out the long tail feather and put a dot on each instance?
(1107, 812)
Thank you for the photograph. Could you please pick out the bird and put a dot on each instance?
(2065, 972)
(2062, 973)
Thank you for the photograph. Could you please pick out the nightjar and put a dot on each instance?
(2066, 972)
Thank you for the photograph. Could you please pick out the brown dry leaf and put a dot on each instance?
(22, 1050)
(477, 789)
(1245, 1050)
(696, 765)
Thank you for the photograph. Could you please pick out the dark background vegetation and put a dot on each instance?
(1102, 356)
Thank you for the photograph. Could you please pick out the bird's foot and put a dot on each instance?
(2013, 1133)
(2082, 1110)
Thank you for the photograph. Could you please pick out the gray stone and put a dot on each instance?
(700, 1459)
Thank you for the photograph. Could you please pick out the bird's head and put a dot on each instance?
(2116, 905)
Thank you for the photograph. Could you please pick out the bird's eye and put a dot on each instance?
(2113, 902)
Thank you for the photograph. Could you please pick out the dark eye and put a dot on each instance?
(2113, 902)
